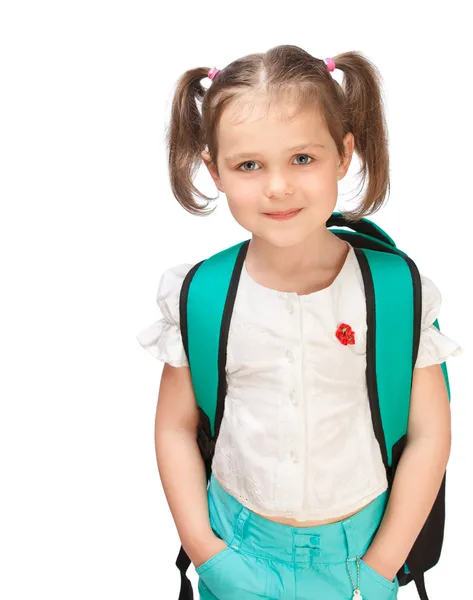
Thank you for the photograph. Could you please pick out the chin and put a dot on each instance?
(283, 239)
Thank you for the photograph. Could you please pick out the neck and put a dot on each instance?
(318, 251)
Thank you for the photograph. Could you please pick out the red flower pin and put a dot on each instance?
(345, 334)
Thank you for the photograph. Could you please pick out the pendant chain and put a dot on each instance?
(356, 588)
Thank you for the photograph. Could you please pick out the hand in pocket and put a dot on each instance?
(208, 551)
(377, 571)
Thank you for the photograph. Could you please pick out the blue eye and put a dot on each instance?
(307, 157)
(249, 162)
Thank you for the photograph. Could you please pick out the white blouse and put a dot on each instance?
(296, 438)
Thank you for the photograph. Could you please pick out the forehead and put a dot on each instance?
(254, 118)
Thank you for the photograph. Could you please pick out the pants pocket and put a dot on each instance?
(364, 567)
(213, 560)
(374, 586)
(204, 592)
(235, 575)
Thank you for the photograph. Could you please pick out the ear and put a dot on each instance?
(349, 144)
(212, 168)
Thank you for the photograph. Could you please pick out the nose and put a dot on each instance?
(278, 185)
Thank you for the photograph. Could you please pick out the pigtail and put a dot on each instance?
(366, 120)
(185, 140)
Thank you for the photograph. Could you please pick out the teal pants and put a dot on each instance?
(264, 559)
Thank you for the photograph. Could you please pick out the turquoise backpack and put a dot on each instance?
(393, 302)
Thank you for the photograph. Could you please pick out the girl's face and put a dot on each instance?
(277, 161)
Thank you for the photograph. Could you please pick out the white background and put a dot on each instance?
(89, 223)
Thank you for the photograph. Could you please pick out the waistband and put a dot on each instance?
(243, 529)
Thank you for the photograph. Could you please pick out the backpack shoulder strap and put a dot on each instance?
(206, 303)
(393, 308)
(205, 306)
(394, 304)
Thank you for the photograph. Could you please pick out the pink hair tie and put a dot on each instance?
(330, 64)
(213, 72)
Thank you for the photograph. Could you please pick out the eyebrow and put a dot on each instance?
(293, 148)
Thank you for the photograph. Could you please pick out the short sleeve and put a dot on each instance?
(162, 338)
(434, 346)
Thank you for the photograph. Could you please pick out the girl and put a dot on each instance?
(298, 489)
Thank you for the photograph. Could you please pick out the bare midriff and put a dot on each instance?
(295, 523)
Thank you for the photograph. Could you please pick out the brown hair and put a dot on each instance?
(355, 106)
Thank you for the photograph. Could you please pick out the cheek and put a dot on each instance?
(319, 193)
(319, 182)
(242, 190)
(243, 197)
(243, 207)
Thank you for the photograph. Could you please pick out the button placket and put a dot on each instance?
(291, 442)
(289, 305)
(291, 448)
(293, 397)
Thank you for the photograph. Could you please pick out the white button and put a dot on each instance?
(294, 399)
(293, 456)
(290, 356)
(289, 305)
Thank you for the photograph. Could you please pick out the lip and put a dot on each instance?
(282, 216)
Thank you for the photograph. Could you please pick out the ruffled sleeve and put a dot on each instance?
(434, 346)
(162, 338)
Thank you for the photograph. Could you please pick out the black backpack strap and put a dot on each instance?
(205, 440)
(364, 226)
(182, 563)
(420, 585)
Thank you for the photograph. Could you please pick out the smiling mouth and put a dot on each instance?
(284, 212)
